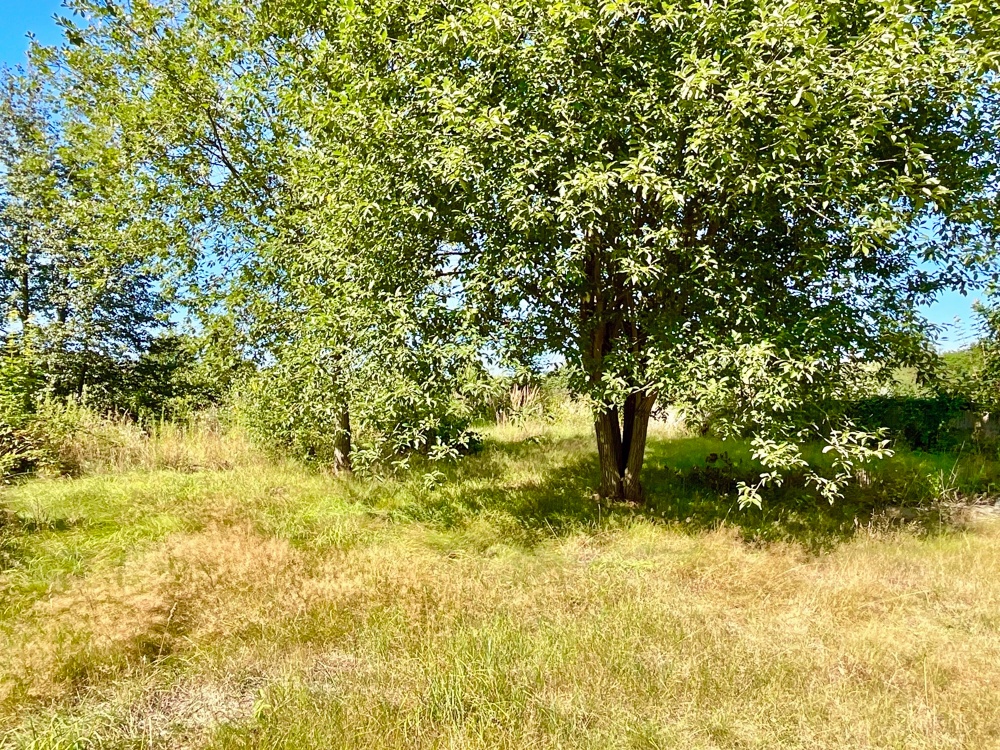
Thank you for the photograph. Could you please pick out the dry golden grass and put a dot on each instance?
(85, 442)
(282, 609)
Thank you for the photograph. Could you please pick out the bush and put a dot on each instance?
(174, 377)
(291, 411)
(297, 411)
(927, 424)
(988, 380)
(20, 453)
(117, 418)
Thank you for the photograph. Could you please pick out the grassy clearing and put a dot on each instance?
(497, 606)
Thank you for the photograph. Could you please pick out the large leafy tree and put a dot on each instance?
(677, 198)
(204, 95)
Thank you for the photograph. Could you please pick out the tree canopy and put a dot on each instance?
(669, 196)
(734, 206)
(78, 253)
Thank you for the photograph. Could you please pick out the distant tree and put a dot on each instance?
(684, 201)
(987, 377)
(75, 256)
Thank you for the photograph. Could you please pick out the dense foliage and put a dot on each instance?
(674, 199)
(737, 209)
(986, 380)
(928, 424)
(76, 251)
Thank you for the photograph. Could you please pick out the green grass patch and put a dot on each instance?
(494, 602)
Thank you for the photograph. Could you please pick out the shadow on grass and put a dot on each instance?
(690, 484)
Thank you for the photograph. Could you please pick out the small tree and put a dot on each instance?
(206, 96)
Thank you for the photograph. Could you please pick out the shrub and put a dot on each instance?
(290, 411)
(988, 382)
(20, 452)
(294, 413)
(928, 424)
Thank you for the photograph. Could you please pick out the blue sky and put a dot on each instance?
(18, 17)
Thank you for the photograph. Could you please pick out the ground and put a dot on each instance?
(493, 605)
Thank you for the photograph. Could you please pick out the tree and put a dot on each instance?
(204, 96)
(28, 193)
(673, 197)
(986, 383)
(75, 252)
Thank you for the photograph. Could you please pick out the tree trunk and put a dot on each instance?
(621, 447)
(24, 283)
(24, 302)
(609, 448)
(342, 444)
(635, 452)
(81, 381)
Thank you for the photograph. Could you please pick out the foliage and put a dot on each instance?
(19, 453)
(335, 343)
(947, 405)
(316, 393)
(174, 377)
(18, 380)
(964, 366)
(782, 403)
(987, 383)
(722, 205)
(636, 187)
(928, 424)
(82, 302)
(42, 429)
(75, 249)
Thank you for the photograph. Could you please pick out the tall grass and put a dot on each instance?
(82, 441)
(266, 606)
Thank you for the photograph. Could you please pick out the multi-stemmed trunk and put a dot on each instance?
(607, 322)
(621, 446)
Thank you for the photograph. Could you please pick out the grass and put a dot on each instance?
(497, 605)
(82, 441)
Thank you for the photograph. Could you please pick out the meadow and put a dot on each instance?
(331, 333)
(192, 593)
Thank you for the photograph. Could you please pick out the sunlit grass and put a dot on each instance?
(496, 605)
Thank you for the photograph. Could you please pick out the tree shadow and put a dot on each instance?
(689, 483)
